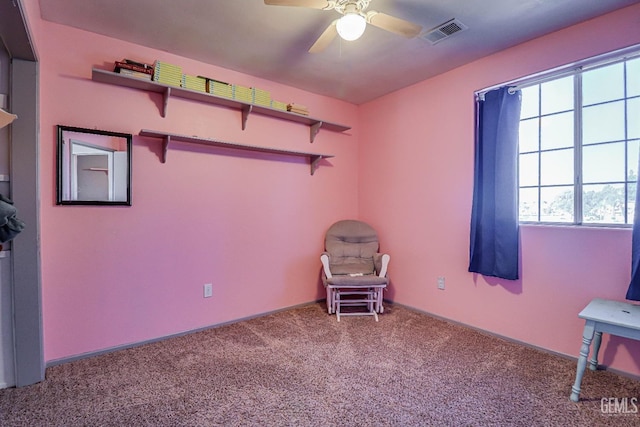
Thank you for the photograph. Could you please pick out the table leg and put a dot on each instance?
(587, 337)
(597, 340)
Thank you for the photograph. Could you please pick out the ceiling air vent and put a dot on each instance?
(442, 31)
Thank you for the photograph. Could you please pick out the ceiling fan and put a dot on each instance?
(353, 21)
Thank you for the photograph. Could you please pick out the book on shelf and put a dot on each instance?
(261, 97)
(298, 109)
(139, 64)
(242, 93)
(166, 73)
(278, 105)
(167, 68)
(121, 65)
(218, 88)
(194, 83)
(136, 74)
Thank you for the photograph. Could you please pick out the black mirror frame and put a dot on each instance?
(59, 200)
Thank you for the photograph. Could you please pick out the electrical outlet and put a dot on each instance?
(441, 283)
(208, 290)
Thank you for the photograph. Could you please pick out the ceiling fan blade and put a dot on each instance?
(313, 4)
(393, 24)
(327, 37)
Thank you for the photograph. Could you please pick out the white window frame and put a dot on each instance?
(574, 69)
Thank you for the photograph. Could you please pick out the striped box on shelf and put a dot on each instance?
(167, 74)
(278, 105)
(261, 97)
(242, 93)
(218, 88)
(194, 83)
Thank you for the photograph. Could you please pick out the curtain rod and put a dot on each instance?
(567, 69)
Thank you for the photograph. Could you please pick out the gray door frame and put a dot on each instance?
(25, 249)
(24, 161)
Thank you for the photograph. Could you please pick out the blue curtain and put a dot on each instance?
(633, 293)
(494, 214)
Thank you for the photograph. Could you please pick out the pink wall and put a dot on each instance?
(416, 183)
(251, 224)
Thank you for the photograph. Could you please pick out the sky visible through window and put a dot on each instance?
(601, 138)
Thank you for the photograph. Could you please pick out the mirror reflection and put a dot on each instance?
(94, 167)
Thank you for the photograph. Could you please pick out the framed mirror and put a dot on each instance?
(94, 167)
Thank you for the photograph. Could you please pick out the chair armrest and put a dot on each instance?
(381, 262)
(325, 264)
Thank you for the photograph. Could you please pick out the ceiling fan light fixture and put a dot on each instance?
(351, 26)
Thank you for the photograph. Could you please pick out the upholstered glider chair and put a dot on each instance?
(354, 273)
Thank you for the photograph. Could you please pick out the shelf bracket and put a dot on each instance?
(246, 110)
(314, 129)
(165, 146)
(165, 104)
(314, 160)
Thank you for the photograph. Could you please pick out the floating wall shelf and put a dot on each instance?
(245, 108)
(314, 158)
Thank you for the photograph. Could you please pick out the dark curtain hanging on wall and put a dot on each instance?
(633, 293)
(494, 215)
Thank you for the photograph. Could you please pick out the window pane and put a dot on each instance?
(557, 131)
(528, 204)
(609, 153)
(529, 134)
(633, 118)
(602, 123)
(603, 84)
(603, 204)
(603, 163)
(557, 204)
(633, 77)
(631, 202)
(557, 95)
(556, 167)
(633, 151)
(528, 169)
(530, 102)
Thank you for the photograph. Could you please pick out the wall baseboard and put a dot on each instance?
(516, 341)
(55, 362)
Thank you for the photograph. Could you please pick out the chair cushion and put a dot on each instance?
(364, 281)
(353, 266)
(351, 245)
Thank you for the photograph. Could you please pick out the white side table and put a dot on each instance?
(612, 317)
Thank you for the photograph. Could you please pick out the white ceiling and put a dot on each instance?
(271, 42)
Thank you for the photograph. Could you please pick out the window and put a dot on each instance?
(579, 146)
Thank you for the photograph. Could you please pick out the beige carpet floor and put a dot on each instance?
(301, 367)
